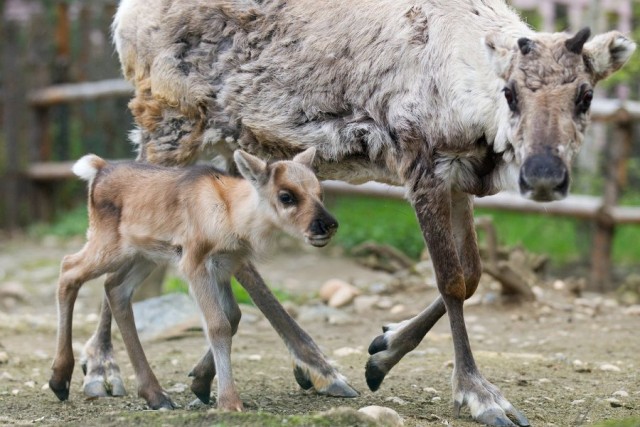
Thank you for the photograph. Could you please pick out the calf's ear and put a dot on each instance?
(306, 157)
(251, 167)
(607, 53)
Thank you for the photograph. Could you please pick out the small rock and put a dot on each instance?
(339, 318)
(178, 388)
(255, 357)
(430, 390)
(396, 400)
(45, 386)
(608, 367)
(448, 364)
(30, 384)
(559, 285)
(615, 403)
(397, 309)
(384, 303)
(15, 391)
(364, 303)
(544, 380)
(330, 287)
(4, 357)
(385, 416)
(436, 399)
(578, 402)
(633, 310)
(6, 376)
(580, 366)
(343, 296)
(620, 393)
(346, 351)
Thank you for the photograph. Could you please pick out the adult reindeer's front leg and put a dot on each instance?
(434, 204)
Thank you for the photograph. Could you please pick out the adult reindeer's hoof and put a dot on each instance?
(386, 353)
(201, 383)
(329, 385)
(486, 403)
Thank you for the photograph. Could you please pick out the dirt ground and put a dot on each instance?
(562, 361)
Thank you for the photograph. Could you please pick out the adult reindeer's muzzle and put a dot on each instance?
(544, 178)
(321, 229)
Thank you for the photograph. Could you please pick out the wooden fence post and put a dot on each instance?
(11, 122)
(617, 152)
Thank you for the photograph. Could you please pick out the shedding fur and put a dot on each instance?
(450, 98)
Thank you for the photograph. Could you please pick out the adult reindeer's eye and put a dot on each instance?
(583, 103)
(286, 198)
(512, 100)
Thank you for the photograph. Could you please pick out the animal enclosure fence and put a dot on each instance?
(56, 43)
(62, 97)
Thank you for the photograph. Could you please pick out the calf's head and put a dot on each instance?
(548, 88)
(292, 193)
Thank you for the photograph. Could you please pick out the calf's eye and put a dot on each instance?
(286, 198)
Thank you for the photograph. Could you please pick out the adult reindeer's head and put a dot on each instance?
(548, 88)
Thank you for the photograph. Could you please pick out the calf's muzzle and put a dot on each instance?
(321, 229)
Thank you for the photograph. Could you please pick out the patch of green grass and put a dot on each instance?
(625, 422)
(71, 223)
(393, 222)
(176, 284)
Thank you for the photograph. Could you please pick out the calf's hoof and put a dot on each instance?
(333, 386)
(160, 401)
(60, 389)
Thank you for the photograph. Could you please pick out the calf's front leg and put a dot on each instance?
(434, 203)
(119, 293)
(209, 293)
(312, 370)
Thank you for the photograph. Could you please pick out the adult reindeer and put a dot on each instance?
(450, 98)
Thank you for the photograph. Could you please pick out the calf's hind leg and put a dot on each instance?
(119, 293)
(75, 270)
(101, 372)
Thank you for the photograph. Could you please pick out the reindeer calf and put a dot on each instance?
(209, 223)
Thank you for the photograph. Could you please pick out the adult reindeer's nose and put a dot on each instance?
(544, 177)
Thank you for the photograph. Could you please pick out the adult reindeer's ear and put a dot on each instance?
(306, 157)
(251, 167)
(607, 53)
(500, 51)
